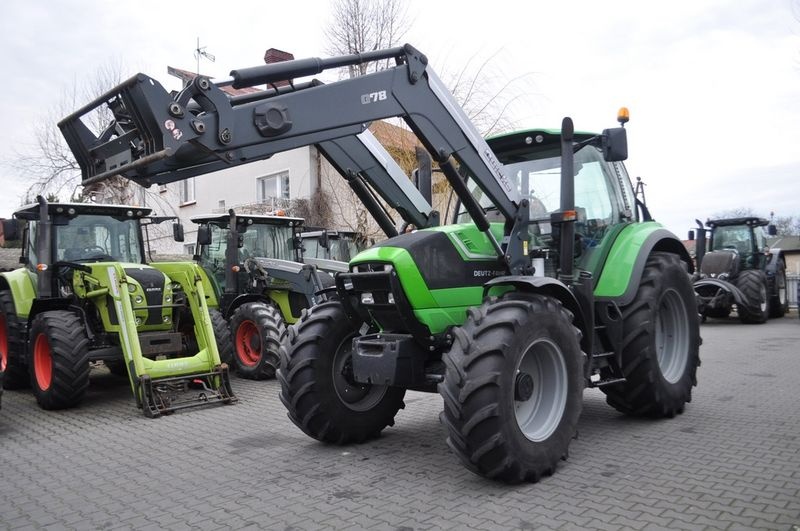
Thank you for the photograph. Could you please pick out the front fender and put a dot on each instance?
(620, 275)
(546, 286)
(23, 290)
(723, 285)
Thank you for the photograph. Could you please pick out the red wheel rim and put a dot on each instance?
(248, 344)
(3, 343)
(43, 362)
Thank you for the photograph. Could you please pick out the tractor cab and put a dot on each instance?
(256, 236)
(745, 238)
(604, 199)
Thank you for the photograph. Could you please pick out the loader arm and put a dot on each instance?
(362, 158)
(158, 138)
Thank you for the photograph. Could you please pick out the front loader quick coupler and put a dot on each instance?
(166, 395)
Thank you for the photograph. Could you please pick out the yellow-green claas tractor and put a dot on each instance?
(84, 294)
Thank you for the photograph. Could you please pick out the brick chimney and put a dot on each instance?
(273, 55)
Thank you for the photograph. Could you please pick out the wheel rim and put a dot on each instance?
(3, 343)
(43, 362)
(248, 344)
(672, 336)
(539, 415)
(356, 396)
(763, 293)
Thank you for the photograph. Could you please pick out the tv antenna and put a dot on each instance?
(201, 52)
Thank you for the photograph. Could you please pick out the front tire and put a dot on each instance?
(12, 354)
(317, 388)
(513, 387)
(59, 359)
(257, 330)
(661, 343)
(753, 285)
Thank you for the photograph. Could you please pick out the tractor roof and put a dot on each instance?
(528, 141)
(71, 210)
(750, 221)
(249, 219)
(331, 233)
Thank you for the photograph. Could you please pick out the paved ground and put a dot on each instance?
(732, 461)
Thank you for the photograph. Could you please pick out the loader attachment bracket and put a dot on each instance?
(166, 395)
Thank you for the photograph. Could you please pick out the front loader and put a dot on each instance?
(551, 278)
(85, 294)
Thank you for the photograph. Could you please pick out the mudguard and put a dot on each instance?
(620, 275)
(735, 292)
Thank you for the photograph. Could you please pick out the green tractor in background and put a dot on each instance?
(85, 294)
(259, 282)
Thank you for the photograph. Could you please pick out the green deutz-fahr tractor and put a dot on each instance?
(739, 269)
(86, 294)
(551, 278)
(260, 284)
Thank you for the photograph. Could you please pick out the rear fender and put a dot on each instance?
(619, 279)
(545, 286)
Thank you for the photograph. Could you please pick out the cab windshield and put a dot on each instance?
(539, 180)
(602, 196)
(98, 238)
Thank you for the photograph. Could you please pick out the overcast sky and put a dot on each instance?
(713, 86)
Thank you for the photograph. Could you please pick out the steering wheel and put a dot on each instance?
(99, 253)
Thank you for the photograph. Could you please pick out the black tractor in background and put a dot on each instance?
(739, 269)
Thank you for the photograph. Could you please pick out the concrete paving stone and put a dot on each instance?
(733, 453)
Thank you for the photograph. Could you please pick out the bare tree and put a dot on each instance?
(738, 212)
(363, 26)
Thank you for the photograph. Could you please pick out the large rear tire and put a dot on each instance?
(12, 353)
(222, 336)
(779, 304)
(661, 343)
(513, 387)
(753, 285)
(258, 330)
(317, 387)
(59, 359)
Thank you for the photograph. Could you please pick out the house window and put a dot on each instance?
(275, 186)
(187, 191)
(162, 188)
(189, 248)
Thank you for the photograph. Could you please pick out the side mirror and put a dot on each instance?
(691, 235)
(10, 228)
(772, 230)
(203, 235)
(323, 240)
(177, 232)
(615, 144)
